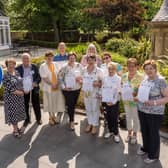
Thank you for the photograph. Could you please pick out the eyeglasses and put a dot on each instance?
(105, 58)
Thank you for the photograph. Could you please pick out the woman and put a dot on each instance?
(70, 79)
(152, 96)
(107, 59)
(13, 97)
(52, 96)
(92, 77)
(130, 82)
(91, 50)
(111, 86)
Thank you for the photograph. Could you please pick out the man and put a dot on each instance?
(62, 57)
(31, 79)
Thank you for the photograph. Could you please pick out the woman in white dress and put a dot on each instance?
(52, 96)
(92, 77)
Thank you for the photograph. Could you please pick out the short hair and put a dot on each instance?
(72, 53)
(132, 61)
(112, 65)
(26, 55)
(10, 60)
(106, 53)
(150, 62)
(91, 45)
(49, 53)
(61, 43)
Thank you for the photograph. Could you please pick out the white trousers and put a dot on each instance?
(92, 106)
(132, 117)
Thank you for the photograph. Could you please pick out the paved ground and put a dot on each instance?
(57, 147)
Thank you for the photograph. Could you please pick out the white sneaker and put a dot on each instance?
(108, 135)
(128, 139)
(116, 138)
(148, 161)
(140, 152)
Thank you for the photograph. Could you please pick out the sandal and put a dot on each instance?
(16, 134)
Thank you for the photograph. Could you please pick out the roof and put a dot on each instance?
(162, 15)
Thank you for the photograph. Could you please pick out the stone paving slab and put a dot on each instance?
(57, 147)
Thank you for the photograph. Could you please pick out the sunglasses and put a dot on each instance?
(105, 58)
(92, 57)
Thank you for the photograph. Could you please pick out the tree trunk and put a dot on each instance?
(56, 33)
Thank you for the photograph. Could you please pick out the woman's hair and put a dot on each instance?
(49, 53)
(61, 43)
(112, 65)
(106, 53)
(72, 53)
(10, 60)
(92, 57)
(132, 61)
(91, 46)
(150, 62)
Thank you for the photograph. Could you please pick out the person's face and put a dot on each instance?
(111, 70)
(132, 68)
(11, 66)
(49, 58)
(91, 60)
(91, 50)
(106, 58)
(26, 60)
(150, 71)
(72, 59)
(61, 48)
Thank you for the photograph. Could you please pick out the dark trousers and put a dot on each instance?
(36, 105)
(111, 114)
(150, 124)
(71, 98)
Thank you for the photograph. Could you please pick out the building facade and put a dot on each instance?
(5, 37)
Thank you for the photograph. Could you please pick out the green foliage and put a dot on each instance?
(130, 48)
(101, 37)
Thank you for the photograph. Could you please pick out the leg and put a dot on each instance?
(144, 131)
(36, 104)
(154, 122)
(26, 101)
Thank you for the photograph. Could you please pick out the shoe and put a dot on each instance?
(51, 122)
(116, 138)
(72, 127)
(55, 120)
(16, 134)
(39, 122)
(133, 140)
(94, 130)
(128, 139)
(140, 152)
(88, 128)
(148, 161)
(108, 135)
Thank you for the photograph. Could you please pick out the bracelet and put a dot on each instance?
(154, 102)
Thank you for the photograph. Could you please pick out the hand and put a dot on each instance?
(67, 89)
(109, 103)
(149, 103)
(95, 84)
(79, 79)
(54, 86)
(19, 93)
(26, 92)
(34, 84)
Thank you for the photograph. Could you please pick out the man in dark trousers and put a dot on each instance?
(31, 79)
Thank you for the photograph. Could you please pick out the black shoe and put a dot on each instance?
(39, 122)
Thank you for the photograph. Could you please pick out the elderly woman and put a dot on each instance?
(13, 97)
(91, 50)
(152, 96)
(111, 86)
(52, 96)
(70, 79)
(92, 76)
(106, 60)
(130, 83)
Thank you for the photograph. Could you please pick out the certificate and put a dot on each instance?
(109, 94)
(27, 84)
(127, 92)
(144, 90)
(70, 80)
(87, 83)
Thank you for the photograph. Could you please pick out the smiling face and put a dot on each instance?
(61, 48)
(91, 60)
(150, 71)
(26, 59)
(72, 58)
(132, 68)
(11, 65)
(112, 69)
(106, 58)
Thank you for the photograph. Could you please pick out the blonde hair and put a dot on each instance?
(10, 60)
(112, 65)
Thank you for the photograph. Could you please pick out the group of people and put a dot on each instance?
(102, 84)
